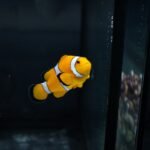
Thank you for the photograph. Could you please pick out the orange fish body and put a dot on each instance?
(70, 73)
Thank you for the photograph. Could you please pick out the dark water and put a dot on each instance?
(34, 35)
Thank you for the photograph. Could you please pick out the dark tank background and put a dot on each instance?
(33, 36)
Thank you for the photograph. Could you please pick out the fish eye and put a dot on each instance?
(78, 62)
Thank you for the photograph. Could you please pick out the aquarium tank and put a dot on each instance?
(34, 35)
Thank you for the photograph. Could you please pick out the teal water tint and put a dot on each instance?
(135, 37)
(133, 70)
(97, 47)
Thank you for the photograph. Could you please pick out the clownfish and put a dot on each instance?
(69, 73)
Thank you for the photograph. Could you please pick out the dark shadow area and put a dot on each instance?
(34, 34)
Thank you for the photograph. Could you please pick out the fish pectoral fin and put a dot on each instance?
(67, 78)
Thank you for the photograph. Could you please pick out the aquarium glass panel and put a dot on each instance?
(132, 75)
